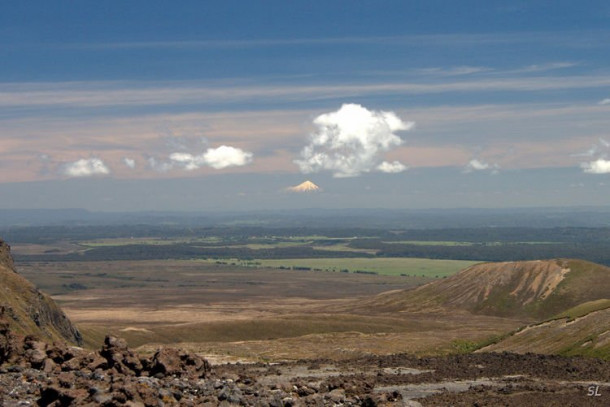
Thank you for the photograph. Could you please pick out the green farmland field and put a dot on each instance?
(395, 266)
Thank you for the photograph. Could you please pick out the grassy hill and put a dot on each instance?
(29, 311)
(583, 330)
(534, 290)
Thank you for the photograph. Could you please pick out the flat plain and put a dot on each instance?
(238, 294)
(229, 312)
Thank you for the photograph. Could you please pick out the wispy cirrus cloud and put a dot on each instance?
(598, 148)
(453, 71)
(99, 94)
(443, 72)
(567, 38)
(549, 66)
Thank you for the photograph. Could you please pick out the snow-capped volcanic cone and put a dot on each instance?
(306, 186)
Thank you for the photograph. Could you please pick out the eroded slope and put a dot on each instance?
(526, 289)
(27, 310)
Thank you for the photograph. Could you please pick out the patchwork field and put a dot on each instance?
(391, 266)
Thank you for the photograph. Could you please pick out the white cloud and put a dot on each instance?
(217, 158)
(599, 166)
(85, 168)
(596, 149)
(480, 165)
(589, 153)
(391, 168)
(604, 101)
(547, 67)
(187, 161)
(161, 166)
(433, 40)
(226, 156)
(351, 140)
(129, 162)
(477, 165)
(453, 71)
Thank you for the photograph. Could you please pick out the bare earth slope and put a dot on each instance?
(29, 311)
(534, 290)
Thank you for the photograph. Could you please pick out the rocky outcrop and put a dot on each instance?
(33, 372)
(40, 374)
(27, 310)
(115, 375)
(6, 259)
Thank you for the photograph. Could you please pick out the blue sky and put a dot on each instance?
(274, 40)
(105, 94)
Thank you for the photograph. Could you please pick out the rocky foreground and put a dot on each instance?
(33, 372)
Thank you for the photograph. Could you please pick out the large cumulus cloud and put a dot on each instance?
(599, 166)
(351, 141)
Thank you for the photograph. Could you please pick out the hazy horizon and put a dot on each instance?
(433, 188)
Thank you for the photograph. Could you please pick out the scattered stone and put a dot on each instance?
(36, 373)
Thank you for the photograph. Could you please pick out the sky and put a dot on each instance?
(210, 105)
